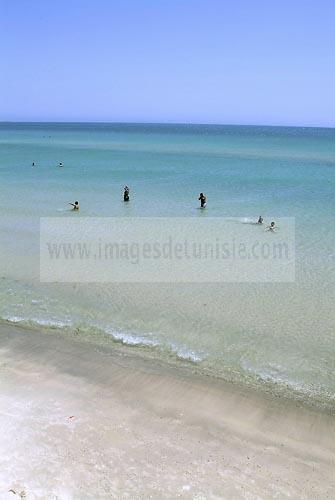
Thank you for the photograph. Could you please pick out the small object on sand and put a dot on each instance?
(22, 493)
(72, 416)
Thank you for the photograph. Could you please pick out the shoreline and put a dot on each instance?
(86, 420)
(171, 359)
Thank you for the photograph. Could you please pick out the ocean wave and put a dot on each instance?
(275, 376)
(126, 338)
(49, 323)
(269, 377)
(131, 339)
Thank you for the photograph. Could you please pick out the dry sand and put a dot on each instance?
(80, 420)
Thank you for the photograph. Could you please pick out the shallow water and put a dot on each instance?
(278, 334)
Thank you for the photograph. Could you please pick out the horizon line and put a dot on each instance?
(164, 123)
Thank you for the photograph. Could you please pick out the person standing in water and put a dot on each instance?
(126, 193)
(33, 165)
(203, 200)
(75, 205)
(260, 220)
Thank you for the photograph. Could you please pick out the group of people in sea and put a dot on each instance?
(271, 227)
(202, 198)
(60, 164)
(203, 202)
(126, 191)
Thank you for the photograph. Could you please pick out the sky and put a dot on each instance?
(181, 61)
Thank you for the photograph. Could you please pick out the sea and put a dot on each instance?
(273, 336)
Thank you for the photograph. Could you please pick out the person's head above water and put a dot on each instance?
(272, 224)
(75, 205)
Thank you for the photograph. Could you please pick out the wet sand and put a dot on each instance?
(82, 420)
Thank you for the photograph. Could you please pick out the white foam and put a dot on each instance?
(131, 339)
(39, 321)
(274, 373)
(183, 352)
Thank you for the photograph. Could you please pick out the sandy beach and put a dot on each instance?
(167, 250)
(85, 420)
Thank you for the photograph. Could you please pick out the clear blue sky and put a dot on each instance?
(210, 61)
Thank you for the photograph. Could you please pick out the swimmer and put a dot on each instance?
(260, 220)
(75, 205)
(33, 164)
(60, 164)
(271, 227)
(126, 193)
(203, 200)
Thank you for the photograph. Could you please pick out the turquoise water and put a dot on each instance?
(278, 335)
